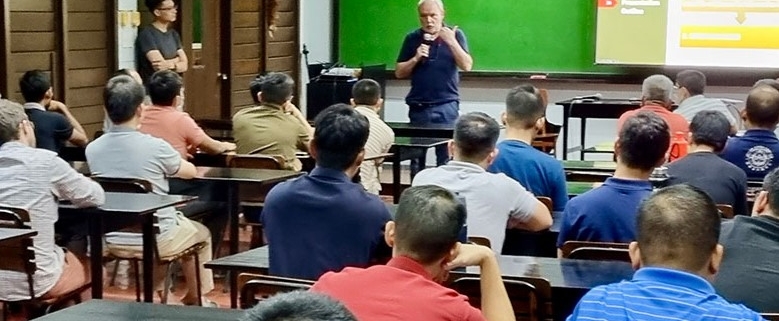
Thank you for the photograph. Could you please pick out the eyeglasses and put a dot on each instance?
(169, 8)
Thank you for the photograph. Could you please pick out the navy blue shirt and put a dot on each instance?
(728, 186)
(321, 222)
(52, 129)
(756, 152)
(435, 80)
(659, 294)
(538, 172)
(604, 214)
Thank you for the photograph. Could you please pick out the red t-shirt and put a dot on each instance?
(676, 123)
(400, 290)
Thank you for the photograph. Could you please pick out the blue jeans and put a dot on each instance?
(446, 113)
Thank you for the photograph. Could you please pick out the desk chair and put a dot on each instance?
(546, 138)
(130, 185)
(530, 297)
(725, 210)
(600, 251)
(547, 202)
(770, 316)
(20, 257)
(480, 240)
(254, 286)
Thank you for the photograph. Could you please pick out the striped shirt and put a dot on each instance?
(380, 140)
(33, 179)
(659, 294)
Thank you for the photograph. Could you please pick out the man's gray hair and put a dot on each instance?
(11, 115)
(657, 87)
(438, 2)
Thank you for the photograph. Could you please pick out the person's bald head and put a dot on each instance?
(678, 227)
(762, 108)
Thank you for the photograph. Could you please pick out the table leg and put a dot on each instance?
(566, 116)
(583, 131)
(232, 212)
(233, 289)
(148, 257)
(396, 177)
(96, 254)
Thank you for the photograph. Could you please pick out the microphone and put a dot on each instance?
(597, 96)
(427, 39)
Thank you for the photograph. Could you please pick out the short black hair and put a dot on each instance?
(524, 107)
(475, 135)
(428, 222)
(299, 306)
(692, 80)
(164, 86)
(366, 92)
(762, 108)
(643, 141)
(678, 226)
(771, 185)
(276, 88)
(122, 97)
(153, 4)
(710, 128)
(767, 82)
(34, 84)
(339, 136)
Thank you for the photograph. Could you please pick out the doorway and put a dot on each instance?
(201, 40)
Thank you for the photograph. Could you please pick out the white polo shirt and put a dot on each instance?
(490, 199)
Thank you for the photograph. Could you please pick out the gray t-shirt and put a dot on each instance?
(490, 199)
(127, 153)
(150, 38)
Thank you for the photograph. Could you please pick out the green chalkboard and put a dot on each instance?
(533, 36)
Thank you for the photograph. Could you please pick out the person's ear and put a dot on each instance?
(504, 119)
(351, 102)
(635, 255)
(689, 138)
(492, 156)
(451, 147)
(312, 149)
(716, 259)
(360, 158)
(540, 123)
(379, 103)
(49, 94)
(389, 234)
(761, 203)
(259, 96)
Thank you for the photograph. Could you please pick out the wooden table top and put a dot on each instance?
(135, 203)
(101, 310)
(12, 234)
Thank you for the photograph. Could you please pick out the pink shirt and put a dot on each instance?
(175, 127)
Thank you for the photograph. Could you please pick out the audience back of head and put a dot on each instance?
(299, 306)
(710, 128)
(275, 88)
(657, 88)
(693, 81)
(643, 141)
(122, 97)
(164, 86)
(524, 107)
(366, 92)
(34, 84)
(339, 136)
(678, 227)
(475, 136)
(767, 82)
(428, 222)
(762, 107)
(11, 116)
(771, 185)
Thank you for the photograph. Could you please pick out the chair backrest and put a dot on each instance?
(256, 287)
(257, 161)
(480, 240)
(546, 201)
(770, 316)
(596, 251)
(124, 185)
(725, 210)
(531, 298)
(13, 217)
(18, 255)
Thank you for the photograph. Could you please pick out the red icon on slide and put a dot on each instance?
(607, 3)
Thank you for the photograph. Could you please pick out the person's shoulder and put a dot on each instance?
(427, 176)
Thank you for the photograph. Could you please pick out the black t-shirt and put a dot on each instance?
(749, 273)
(52, 129)
(150, 38)
(724, 182)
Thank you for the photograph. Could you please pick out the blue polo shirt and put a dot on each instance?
(435, 80)
(321, 222)
(538, 172)
(604, 214)
(659, 294)
(757, 152)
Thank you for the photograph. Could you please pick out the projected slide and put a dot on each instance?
(726, 33)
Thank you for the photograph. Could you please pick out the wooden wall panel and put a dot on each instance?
(246, 59)
(281, 54)
(32, 42)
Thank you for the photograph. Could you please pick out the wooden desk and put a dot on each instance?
(592, 166)
(126, 204)
(100, 310)
(583, 109)
(428, 130)
(406, 148)
(73, 154)
(13, 234)
(570, 279)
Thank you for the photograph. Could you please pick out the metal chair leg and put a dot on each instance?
(137, 281)
(166, 287)
(116, 270)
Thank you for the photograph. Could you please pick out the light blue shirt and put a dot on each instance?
(659, 294)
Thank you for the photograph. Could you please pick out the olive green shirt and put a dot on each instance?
(268, 130)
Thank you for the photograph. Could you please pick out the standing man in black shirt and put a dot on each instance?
(158, 46)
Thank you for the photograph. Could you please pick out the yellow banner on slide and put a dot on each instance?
(752, 37)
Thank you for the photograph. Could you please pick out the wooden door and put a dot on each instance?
(201, 40)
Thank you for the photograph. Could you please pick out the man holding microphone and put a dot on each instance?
(431, 57)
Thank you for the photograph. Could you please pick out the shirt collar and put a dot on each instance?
(674, 277)
(651, 106)
(330, 173)
(370, 110)
(121, 129)
(470, 167)
(34, 106)
(408, 264)
(13, 145)
(759, 132)
(628, 183)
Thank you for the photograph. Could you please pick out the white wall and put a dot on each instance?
(316, 33)
(126, 34)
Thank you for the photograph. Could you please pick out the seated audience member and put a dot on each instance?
(366, 99)
(163, 120)
(676, 256)
(107, 124)
(323, 221)
(539, 172)
(54, 124)
(35, 179)
(608, 213)
(275, 126)
(424, 244)
(495, 202)
(708, 135)
(690, 85)
(124, 152)
(767, 82)
(656, 98)
(749, 273)
(757, 151)
(298, 306)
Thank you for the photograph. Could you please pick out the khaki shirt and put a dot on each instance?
(275, 132)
